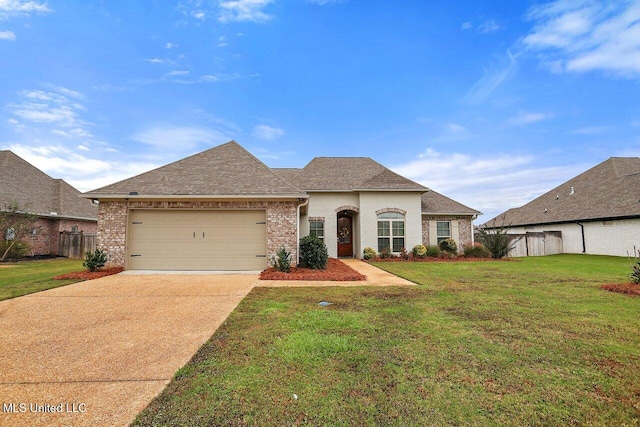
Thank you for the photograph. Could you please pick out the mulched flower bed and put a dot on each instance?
(337, 271)
(623, 288)
(88, 275)
(431, 259)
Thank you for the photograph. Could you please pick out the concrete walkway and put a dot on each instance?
(375, 277)
(101, 350)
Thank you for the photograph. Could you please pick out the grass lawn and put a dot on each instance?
(27, 277)
(530, 342)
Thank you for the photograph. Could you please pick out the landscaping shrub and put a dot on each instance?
(282, 260)
(433, 251)
(477, 250)
(448, 245)
(635, 269)
(313, 253)
(369, 253)
(419, 251)
(95, 260)
(404, 254)
(446, 255)
(497, 241)
(386, 253)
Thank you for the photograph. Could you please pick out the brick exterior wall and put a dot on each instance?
(464, 228)
(112, 223)
(46, 241)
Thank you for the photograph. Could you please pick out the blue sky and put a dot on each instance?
(491, 103)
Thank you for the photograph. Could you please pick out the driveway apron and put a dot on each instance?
(97, 352)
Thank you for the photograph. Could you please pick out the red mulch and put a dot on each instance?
(623, 288)
(432, 259)
(88, 275)
(337, 271)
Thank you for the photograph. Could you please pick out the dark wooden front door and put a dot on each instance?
(345, 237)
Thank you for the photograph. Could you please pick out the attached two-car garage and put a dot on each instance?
(197, 240)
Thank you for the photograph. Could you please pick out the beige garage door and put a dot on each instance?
(197, 240)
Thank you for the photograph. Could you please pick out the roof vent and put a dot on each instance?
(557, 196)
(572, 191)
(54, 213)
(135, 193)
(546, 210)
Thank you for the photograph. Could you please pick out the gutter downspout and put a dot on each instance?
(301, 205)
(584, 245)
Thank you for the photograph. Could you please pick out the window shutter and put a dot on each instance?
(455, 232)
(433, 233)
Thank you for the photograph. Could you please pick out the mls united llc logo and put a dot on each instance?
(23, 407)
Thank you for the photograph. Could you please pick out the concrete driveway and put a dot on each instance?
(100, 350)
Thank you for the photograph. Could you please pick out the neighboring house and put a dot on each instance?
(597, 212)
(223, 209)
(57, 204)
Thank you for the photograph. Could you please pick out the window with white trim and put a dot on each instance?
(443, 230)
(390, 231)
(316, 228)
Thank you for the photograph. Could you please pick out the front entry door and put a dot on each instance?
(345, 237)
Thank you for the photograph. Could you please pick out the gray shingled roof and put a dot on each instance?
(435, 203)
(226, 170)
(347, 174)
(607, 191)
(39, 193)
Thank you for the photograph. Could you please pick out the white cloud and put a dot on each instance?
(455, 128)
(590, 130)
(466, 25)
(182, 138)
(9, 8)
(491, 79)
(525, 118)
(178, 73)
(586, 35)
(154, 60)
(267, 132)
(324, 2)
(244, 11)
(489, 26)
(39, 106)
(170, 45)
(488, 183)
(7, 35)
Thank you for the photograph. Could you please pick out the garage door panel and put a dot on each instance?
(197, 240)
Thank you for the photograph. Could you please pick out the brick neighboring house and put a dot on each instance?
(223, 209)
(596, 212)
(57, 204)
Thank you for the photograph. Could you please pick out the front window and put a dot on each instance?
(390, 231)
(444, 230)
(316, 228)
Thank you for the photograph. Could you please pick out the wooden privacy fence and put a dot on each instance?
(536, 243)
(75, 244)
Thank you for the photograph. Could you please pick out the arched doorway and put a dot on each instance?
(345, 234)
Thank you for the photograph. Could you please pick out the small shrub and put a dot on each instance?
(448, 245)
(404, 254)
(433, 251)
(281, 261)
(313, 253)
(634, 276)
(446, 255)
(477, 250)
(419, 251)
(95, 260)
(369, 253)
(498, 242)
(386, 253)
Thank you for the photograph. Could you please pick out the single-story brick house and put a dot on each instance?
(57, 204)
(223, 209)
(596, 212)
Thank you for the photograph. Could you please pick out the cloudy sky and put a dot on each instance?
(491, 103)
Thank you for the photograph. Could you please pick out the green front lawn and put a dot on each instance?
(531, 342)
(27, 277)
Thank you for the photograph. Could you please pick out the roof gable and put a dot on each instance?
(39, 193)
(225, 170)
(609, 190)
(351, 174)
(436, 203)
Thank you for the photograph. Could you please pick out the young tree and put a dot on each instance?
(496, 240)
(16, 224)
